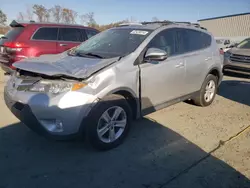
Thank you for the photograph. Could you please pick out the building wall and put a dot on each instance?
(233, 26)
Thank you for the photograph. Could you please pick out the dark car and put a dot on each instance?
(31, 39)
(237, 59)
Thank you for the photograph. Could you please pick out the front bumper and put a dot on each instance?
(39, 108)
(25, 115)
(237, 67)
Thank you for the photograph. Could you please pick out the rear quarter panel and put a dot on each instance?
(217, 60)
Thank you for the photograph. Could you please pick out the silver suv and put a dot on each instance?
(121, 74)
(237, 59)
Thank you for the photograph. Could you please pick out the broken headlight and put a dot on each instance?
(56, 87)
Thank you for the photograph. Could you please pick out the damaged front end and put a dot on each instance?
(59, 65)
(34, 82)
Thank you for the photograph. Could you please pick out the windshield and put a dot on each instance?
(244, 44)
(113, 43)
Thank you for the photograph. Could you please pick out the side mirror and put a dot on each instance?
(155, 54)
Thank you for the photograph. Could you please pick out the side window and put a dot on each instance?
(84, 35)
(90, 33)
(165, 40)
(195, 40)
(46, 33)
(70, 34)
(206, 40)
(181, 41)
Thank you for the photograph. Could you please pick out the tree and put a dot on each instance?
(74, 16)
(41, 12)
(108, 26)
(26, 16)
(47, 15)
(29, 13)
(88, 19)
(56, 12)
(3, 18)
(20, 16)
(69, 16)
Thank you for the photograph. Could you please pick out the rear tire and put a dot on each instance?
(98, 123)
(208, 91)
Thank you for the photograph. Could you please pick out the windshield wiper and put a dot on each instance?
(3, 37)
(90, 54)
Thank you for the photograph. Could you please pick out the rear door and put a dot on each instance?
(69, 38)
(198, 56)
(43, 41)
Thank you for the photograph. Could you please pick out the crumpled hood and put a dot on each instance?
(63, 64)
(240, 51)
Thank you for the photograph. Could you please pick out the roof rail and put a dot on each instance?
(127, 24)
(197, 25)
(165, 22)
(189, 23)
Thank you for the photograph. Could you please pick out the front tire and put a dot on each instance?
(109, 122)
(208, 91)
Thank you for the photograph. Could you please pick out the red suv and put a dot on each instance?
(33, 39)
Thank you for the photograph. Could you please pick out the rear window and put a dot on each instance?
(13, 33)
(46, 33)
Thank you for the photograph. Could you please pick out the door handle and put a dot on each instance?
(208, 58)
(181, 64)
(63, 45)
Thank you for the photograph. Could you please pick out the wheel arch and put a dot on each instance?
(215, 71)
(131, 98)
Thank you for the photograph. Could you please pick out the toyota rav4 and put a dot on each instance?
(116, 76)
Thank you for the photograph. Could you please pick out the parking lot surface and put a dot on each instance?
(179, 146)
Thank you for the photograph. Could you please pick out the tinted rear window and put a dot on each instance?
(70, 34)
(13, 33)
(46, 33)
(195, 40)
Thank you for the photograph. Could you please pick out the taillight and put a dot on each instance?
(14, 46)
(221, 51)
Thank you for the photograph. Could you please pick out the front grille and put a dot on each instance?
(240, 58)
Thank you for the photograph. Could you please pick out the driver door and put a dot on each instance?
(162, 81)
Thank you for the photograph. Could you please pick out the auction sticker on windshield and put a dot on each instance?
(138, 32)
